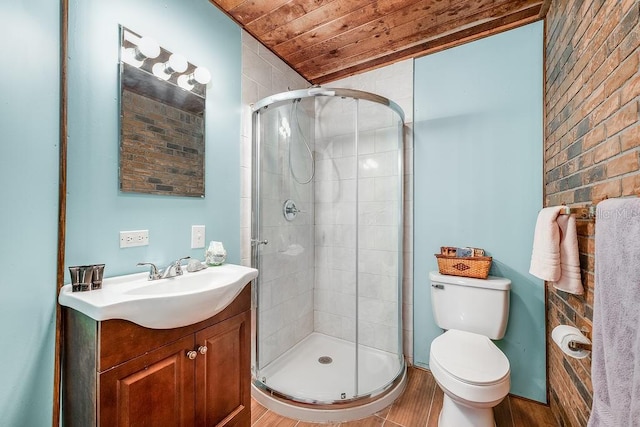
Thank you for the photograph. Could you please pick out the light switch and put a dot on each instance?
(197, 236)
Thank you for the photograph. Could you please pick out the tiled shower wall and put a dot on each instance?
(592, 151)
(394, 82)
(357, 186)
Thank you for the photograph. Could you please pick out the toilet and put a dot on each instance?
(470, 369)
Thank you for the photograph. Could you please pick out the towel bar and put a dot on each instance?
(587, 212)
(575, 345)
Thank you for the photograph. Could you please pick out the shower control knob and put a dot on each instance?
(256, 242)
(202, 349)
(192, 354)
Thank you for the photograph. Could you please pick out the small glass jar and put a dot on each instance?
(215, 254)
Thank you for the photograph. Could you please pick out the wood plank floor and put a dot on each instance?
(419, 406)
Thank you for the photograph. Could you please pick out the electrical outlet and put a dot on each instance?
(129, 239)
(197, 236)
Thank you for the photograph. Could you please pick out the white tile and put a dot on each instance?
(327, 323)
(273, 59)
(378, 213)
(256, 68)
(249, 42)
(345, 167)
(250, 93)
(378, 164)
(383, 288)
(279, 81)
(378, 262)
(245, 242)
(366, 189)
(387, 189)
(386, 139)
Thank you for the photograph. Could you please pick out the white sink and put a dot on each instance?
(164, 303)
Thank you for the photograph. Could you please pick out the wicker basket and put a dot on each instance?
(477, 267)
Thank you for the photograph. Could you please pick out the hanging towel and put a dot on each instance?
(615, 365)
(555, 257)
(570, 279)
(545, 258)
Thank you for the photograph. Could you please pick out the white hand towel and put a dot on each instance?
(570, 279)
(545, 258)
(555, 257)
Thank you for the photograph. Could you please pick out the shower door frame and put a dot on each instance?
(256, 240)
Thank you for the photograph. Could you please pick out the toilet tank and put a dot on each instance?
(472, 305)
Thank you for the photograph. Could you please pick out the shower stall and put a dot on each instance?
(327, 240)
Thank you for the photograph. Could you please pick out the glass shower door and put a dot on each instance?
(327, 227)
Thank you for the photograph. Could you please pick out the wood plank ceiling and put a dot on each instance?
(325, 40)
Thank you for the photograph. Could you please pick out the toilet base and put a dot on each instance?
(454, 414)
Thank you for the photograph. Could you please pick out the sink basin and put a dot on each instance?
(164, 303)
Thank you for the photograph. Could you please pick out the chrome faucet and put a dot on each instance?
(153, 273)
(174, 269)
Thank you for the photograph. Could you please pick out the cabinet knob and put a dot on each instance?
(202, 349)
(192, 354)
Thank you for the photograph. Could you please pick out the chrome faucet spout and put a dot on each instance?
(174, 269)
(153, 272)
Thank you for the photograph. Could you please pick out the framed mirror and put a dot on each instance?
(162, 126)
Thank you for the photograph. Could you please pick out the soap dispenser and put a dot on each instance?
(215, 254)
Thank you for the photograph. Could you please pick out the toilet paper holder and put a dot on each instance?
(575, 345)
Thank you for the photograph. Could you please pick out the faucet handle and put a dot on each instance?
(153, 272)
(178, 265)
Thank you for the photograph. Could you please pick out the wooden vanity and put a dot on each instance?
(117, 373)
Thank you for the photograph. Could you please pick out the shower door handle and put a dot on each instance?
(256, 242)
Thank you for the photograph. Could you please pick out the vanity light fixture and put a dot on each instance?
(145, 47)
(176, 64)
(200, 75)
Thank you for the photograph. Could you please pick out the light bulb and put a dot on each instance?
(145, 48)
(200, 75)
(176, 64)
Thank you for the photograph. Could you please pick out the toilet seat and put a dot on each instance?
(470, 368)
(471, 358)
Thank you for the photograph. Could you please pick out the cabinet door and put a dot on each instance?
(155, 389)
(223, 377)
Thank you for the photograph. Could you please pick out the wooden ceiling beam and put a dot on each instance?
(467, 35)
(250, 10)
(401, 37)
(422, 16)
(324, 40)
(285, 14)
(298, 40)
(228, 4)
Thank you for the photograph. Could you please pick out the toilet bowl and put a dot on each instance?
(473, 374)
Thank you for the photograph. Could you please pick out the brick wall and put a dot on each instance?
(161, 149)
(592, 141)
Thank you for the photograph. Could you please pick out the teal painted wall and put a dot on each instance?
(478, 182)
(97, 210)
(29, 117)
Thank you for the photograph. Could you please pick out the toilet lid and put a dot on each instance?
(470, 357)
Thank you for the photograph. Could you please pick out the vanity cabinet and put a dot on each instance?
(117, 373)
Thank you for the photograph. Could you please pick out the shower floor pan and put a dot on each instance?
(316, 381)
